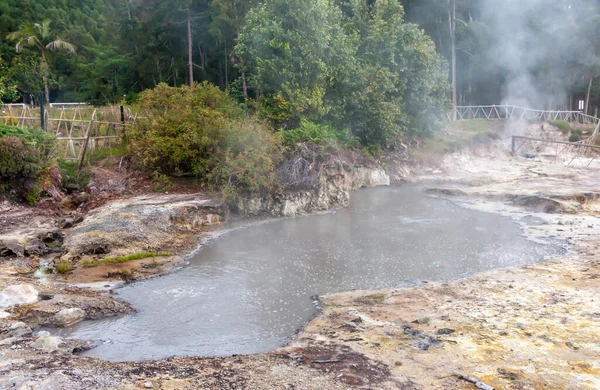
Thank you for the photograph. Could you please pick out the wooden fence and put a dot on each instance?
(76, 126)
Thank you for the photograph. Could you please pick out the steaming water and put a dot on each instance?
(250, 290)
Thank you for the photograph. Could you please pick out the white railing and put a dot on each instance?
(515, 112)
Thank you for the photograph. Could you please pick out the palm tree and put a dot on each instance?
(39, 37)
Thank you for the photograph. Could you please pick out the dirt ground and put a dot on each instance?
(528, 327)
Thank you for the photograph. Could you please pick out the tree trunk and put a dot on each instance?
(190, 63)
(452, 24)
(46, 90)
(589, 90)
(45, 70)
(226, 65)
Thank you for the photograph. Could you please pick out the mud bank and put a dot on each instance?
(530, 327)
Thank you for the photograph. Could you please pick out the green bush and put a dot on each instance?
(72, 177)
(578, 132)
(63, 267)
(574, 138)
(201, 131)
(311, 133)
(18, 158)
(563, 126)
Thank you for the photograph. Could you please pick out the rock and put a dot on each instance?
(44, 313)
(139, 223)
(547, 205)
(45, 296)
(46, 342)
(445, 331)
(68, 317)
(18, 294)
(4, 314)
(148, 385)
(66, 224)
(19, 329)
(520, 326)
(445, 192)
(373, 177)
(422, 320)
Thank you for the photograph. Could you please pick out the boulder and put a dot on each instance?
(68, 317)
(18, 294)
(46, 342)
(19, 329)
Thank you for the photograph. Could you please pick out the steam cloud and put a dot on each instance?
(532, 43)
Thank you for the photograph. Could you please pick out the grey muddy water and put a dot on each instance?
(250, 290)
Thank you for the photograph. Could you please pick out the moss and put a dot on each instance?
(378, 298)
(124, 259)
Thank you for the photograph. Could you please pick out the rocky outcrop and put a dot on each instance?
(329, 188)
(67, 309)
(141, 223)
(36, 240)
(17, 294)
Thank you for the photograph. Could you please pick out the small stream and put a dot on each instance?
(251, 290)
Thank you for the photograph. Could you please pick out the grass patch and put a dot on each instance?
(63, 267)
(378, 298)
(124, 259)
(101, 153)
(563, 126)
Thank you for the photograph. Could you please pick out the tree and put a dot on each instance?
(8, 88)
(287, 46)
(393, 82)
(39, 37)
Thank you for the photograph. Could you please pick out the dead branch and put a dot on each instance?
(479, 384)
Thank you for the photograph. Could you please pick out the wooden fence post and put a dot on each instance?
(87, 139)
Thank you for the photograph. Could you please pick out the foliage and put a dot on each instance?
(563, 126)
(18, 158)
(161, 182)
(362, 69)
(201, 131)
(124, 259)
(289, 46)
(63, 266)
(72, 176)
(8, 87)
(578, 132)
(311, 133)
(24, 163)
(574, 138)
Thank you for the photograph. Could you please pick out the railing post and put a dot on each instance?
(512, 149)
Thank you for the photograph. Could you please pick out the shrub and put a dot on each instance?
(161, 182)
(72, 177)
(18, 158)
(63, 267)
(202, 131)
(574, 138)
(24, 167)
(310, 133)
(563, 126)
